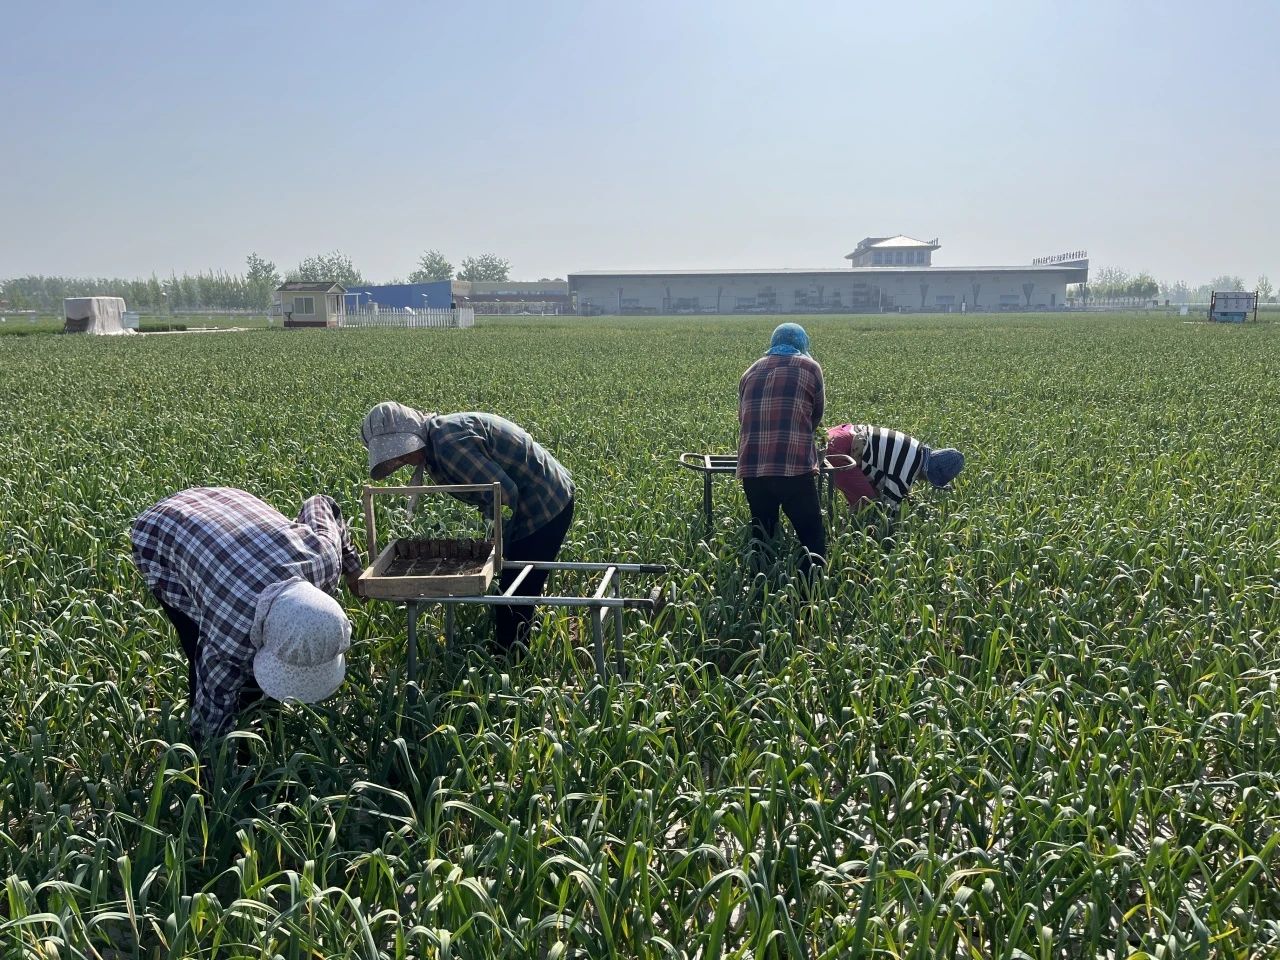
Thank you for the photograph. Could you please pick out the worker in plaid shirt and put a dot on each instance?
(467, 448)
(247, 590)
(780, 404)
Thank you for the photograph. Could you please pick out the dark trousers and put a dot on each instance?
(543, 544)
(798, 498)
(189, 636)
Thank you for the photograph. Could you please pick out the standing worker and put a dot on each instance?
(780, 403)
(467, 448)
(248, 591)
(890, 461)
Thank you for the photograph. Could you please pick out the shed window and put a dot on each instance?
(304, 306)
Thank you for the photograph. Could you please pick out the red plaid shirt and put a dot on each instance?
(780, 404)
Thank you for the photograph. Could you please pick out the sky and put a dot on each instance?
(140, 137)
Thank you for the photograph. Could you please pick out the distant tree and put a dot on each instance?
(334, 266)
(1109, 283)
(260, 281)
(1266, 293)
(432, 266)
(1142, 287)
(487, 266)
(1224, 283)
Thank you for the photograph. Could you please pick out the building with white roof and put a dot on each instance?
(900, 251)
(885, 274)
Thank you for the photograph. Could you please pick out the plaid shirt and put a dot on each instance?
(483, 448)
(780, 404)
(209, 552)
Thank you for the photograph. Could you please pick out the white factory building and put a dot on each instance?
(894, 274)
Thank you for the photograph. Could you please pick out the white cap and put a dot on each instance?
(301, 634)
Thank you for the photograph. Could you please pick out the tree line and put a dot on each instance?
(220, 290)
(252, 290)
(1116, 283)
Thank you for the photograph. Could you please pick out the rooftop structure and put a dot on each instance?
(900, 250)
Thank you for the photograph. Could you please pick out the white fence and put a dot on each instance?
(407, 318)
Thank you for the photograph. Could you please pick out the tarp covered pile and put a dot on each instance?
(101, 315)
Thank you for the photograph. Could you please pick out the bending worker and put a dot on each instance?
(466, 448)
(890, 460)
(780, 403)
(248, 591)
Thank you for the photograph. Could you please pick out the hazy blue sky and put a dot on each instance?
(169, 136)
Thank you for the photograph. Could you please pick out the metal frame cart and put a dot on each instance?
(710, 464)
(606, 599)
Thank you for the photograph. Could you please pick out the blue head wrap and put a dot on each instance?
(788, 340)
(943, 466)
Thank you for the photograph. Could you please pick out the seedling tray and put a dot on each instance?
(413, 568)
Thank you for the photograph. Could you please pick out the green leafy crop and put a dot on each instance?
(1036, 717)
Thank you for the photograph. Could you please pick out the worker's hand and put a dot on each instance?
(353, 586)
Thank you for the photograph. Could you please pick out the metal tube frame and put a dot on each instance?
(605, 601)
(709, 464)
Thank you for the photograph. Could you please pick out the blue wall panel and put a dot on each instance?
(436, 295)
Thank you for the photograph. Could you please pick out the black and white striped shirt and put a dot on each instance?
(891, 460)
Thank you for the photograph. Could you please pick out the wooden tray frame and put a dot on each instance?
(374, 583)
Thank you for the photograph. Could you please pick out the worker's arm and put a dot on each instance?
(323, 515)
(893, 491)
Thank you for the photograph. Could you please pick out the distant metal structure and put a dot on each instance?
(1232, 306)
(1073, 257)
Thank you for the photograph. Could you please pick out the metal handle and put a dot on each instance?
(836, 462)
(710, 462)
(690, 463)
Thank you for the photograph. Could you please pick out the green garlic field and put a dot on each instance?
(1038, 717)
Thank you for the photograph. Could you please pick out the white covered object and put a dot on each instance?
(101, 315)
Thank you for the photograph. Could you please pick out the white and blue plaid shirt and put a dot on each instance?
(209, 552)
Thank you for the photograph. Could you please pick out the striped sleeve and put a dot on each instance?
(891, 460)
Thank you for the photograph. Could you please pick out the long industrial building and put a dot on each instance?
(885, 274)
(484, 296)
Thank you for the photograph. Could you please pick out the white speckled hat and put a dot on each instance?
(301, 634)
(391, 430)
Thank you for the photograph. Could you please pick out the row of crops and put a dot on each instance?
(1038, 718)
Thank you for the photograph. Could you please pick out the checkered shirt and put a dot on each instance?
(483, 448)
(780, 404)
(209, 552)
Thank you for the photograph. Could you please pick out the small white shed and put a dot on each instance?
(307, 303)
